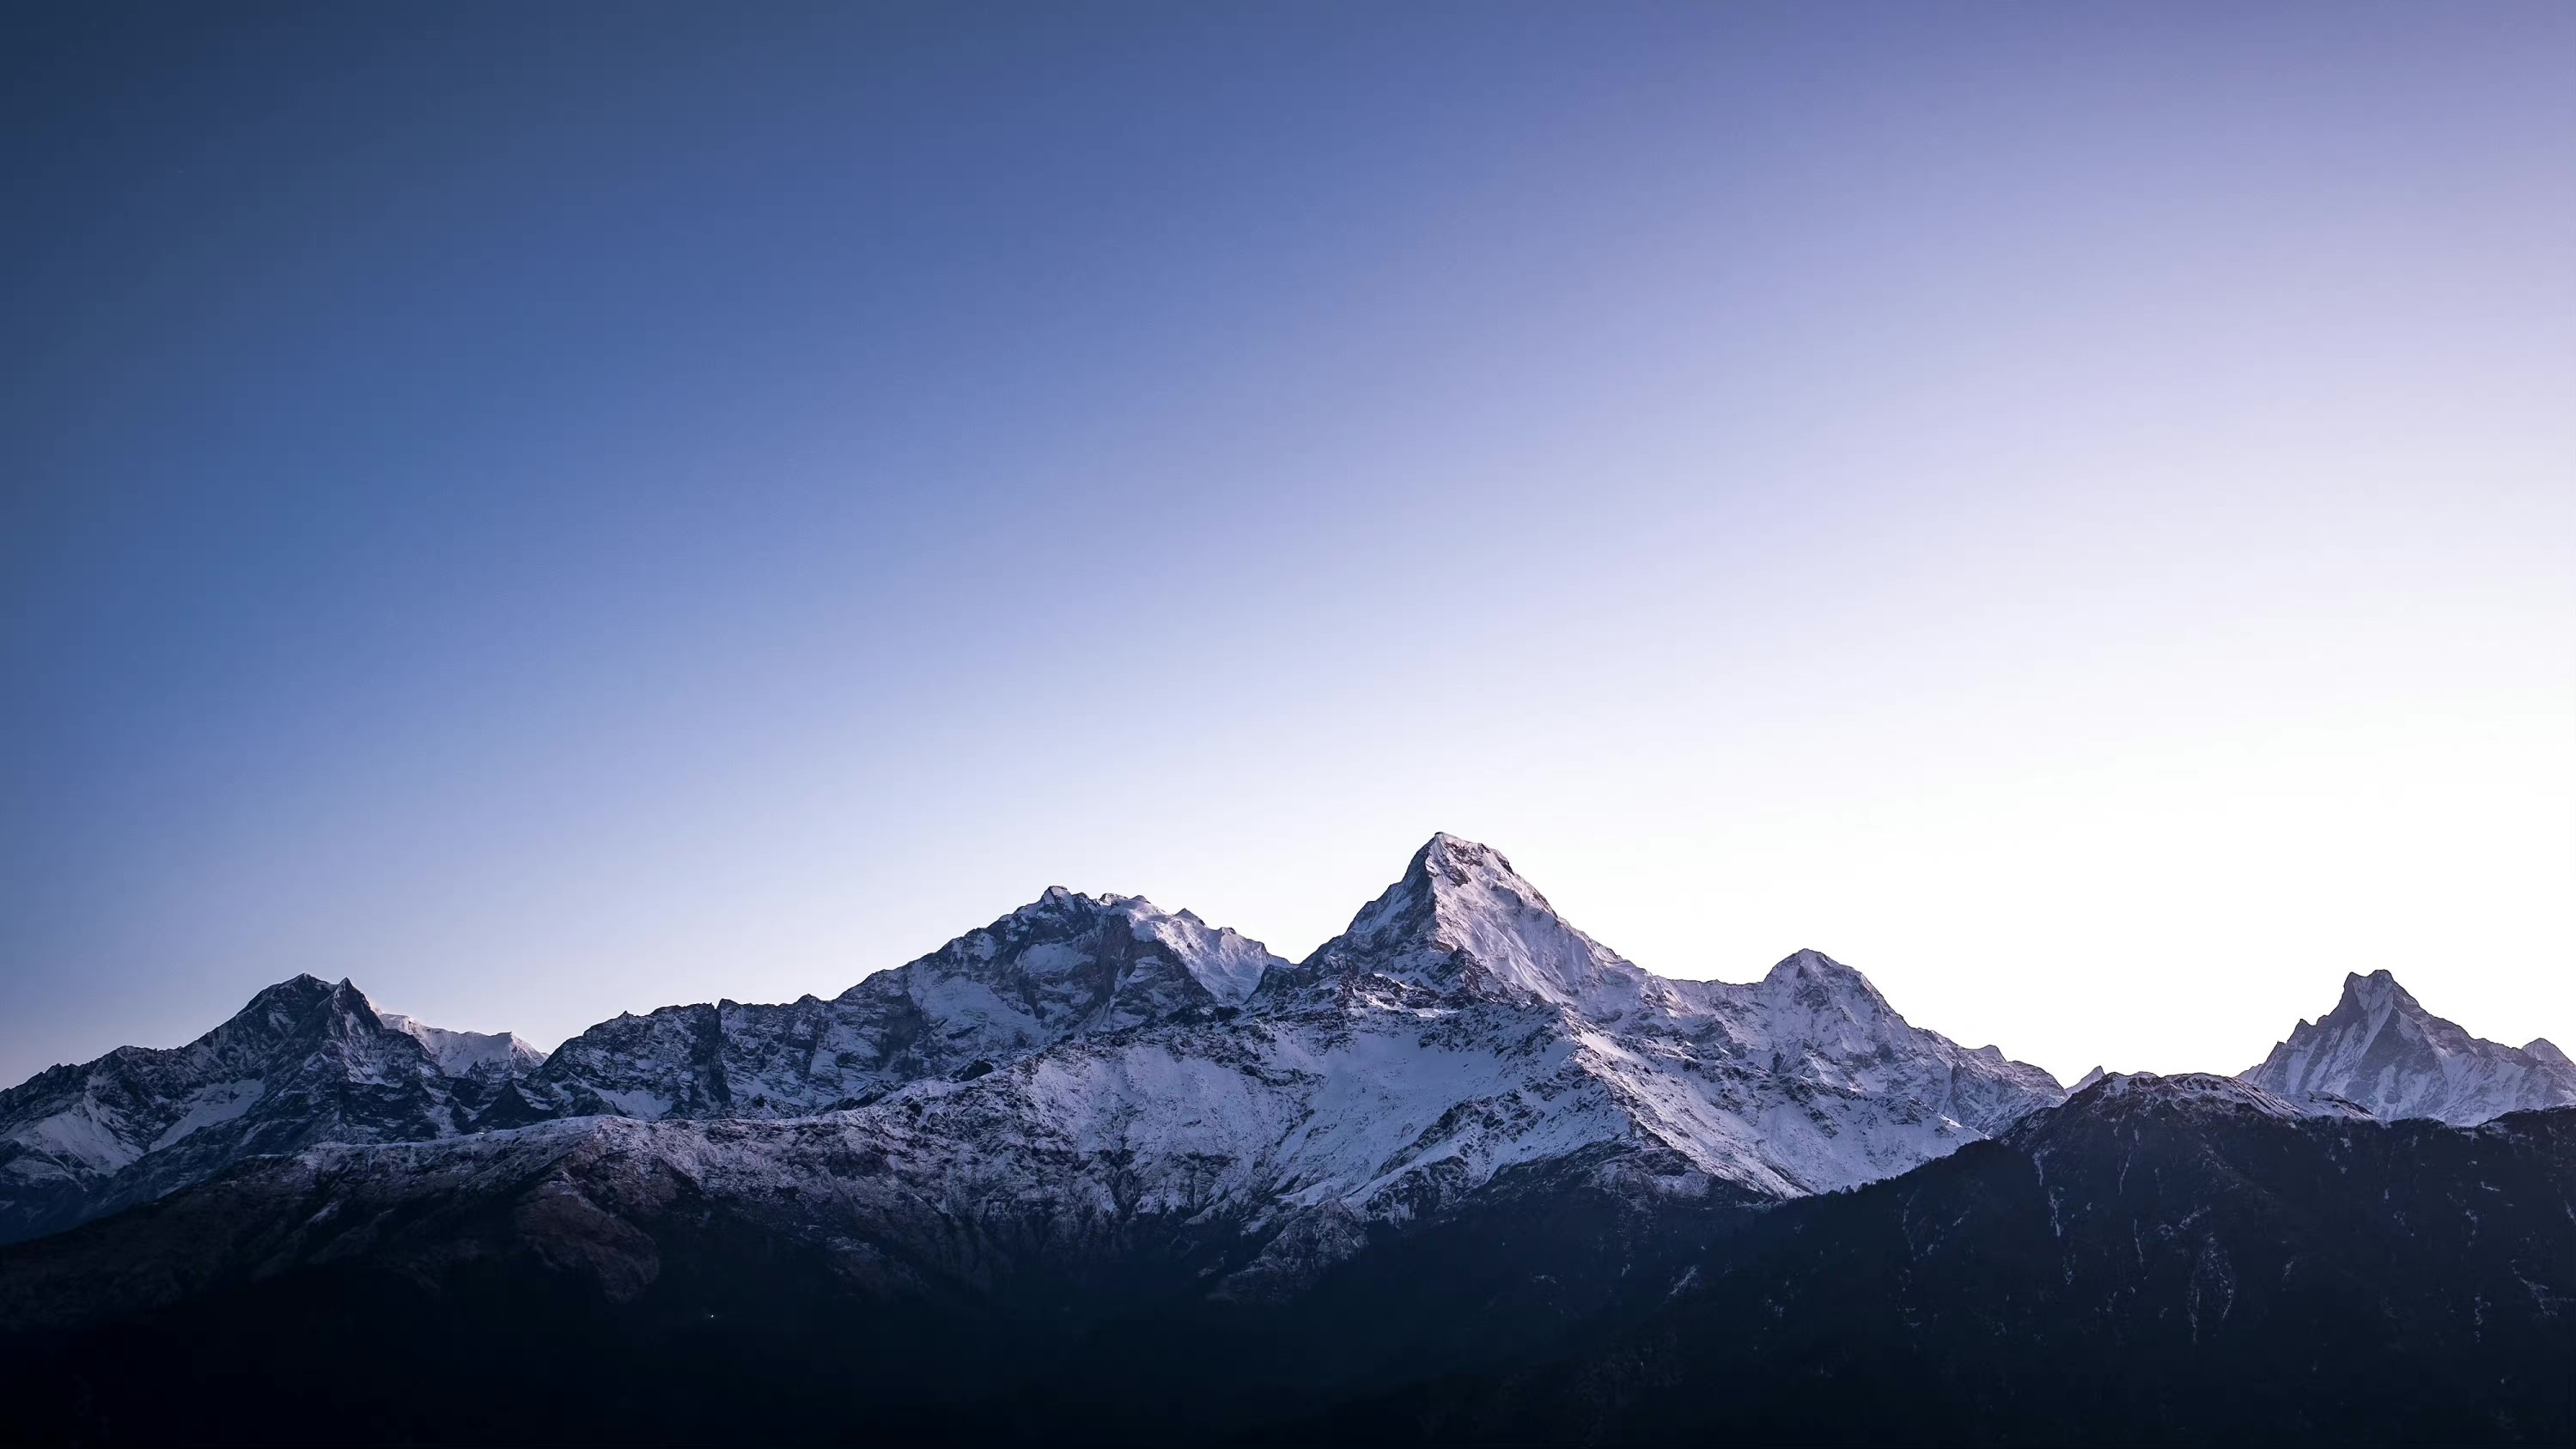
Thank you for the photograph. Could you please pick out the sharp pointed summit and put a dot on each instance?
(2379, 1050)
(1461, 920)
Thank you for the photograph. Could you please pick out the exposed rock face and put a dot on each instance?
(2381, 1051)
(305, 1062)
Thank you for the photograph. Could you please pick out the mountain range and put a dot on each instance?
(1209, 1192)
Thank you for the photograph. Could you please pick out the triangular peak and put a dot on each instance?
(2380, 1050)
(1447, 867)
(1461, 859)
(1812, 975)
(1462, 918)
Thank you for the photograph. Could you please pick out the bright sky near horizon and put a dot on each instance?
(548, 511)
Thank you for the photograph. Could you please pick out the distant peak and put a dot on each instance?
(2190, 1091)
(2380, 1051)
(2088, 1079)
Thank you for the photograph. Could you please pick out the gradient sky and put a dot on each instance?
(551, 510)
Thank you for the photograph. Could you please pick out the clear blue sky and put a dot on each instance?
(558, 509)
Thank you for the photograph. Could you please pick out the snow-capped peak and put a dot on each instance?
(305, 1060)
(1039, 941)
(1823, 983)
(1462, 919)
(2381, 1051)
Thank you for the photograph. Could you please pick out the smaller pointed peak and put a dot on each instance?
(2547, 1050)
(2089, 1078)
(1807, 961)
(1057, 900)
(1815, 980)
(303, 988)
(348, 1000)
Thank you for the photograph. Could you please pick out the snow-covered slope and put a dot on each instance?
(1062, 966)
(305, 1062)
(1459, 1021)
(491, 1054)
(1802, 1081)
(2381, 1051)
(1462, 922)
